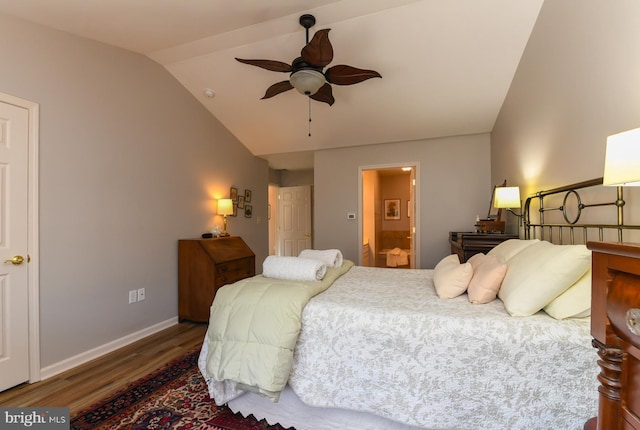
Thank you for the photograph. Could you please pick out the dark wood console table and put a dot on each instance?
(467, 244)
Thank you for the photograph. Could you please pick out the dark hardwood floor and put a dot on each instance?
(85, 385)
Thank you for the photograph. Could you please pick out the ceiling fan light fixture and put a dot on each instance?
(306, 71)
(307, 81)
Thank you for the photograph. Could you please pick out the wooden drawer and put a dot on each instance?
(623, 302)
(232, 266)
(233, 271)
(622, 298)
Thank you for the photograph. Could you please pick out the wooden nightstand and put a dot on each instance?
(615, 327)
(204, 265)
(467, 244)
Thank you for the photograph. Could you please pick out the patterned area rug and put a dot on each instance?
(173, 397)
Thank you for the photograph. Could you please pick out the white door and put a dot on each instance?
(294, 220)
(14, 293)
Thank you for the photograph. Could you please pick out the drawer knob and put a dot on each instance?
(633, 321)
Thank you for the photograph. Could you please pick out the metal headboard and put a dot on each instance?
(565, 232)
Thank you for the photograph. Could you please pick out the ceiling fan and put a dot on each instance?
(306, 71)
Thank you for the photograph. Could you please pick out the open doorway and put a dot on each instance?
(388, 221)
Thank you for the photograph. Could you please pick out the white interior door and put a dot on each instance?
(294, 220)
(14, 292)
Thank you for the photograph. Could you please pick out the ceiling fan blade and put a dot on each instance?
(276, 89)
(319, 51)
(324, 94)
(274, 66)
(347, 75)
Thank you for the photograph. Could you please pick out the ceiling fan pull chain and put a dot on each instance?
(309, 116)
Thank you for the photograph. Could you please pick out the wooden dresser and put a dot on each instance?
(615, 327)
(467, 244)
(204, 265)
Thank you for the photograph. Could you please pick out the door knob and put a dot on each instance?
(17, 259)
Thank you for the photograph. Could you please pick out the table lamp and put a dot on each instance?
(225, 207)
(622, 159)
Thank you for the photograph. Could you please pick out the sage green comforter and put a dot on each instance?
(253, 329)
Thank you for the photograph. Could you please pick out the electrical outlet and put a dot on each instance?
(133, 296)
(141, 294)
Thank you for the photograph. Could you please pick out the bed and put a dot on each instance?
(381, 348)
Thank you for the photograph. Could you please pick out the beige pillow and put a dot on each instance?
(488, 273)
(450, 277)
(506, 250)
(573, 303)
(540, 273)
(476, 260)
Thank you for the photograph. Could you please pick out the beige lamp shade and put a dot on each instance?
(507, 197)
(622, 159)
(225, 207)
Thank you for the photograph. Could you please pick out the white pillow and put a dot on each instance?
(506, 250)
(573, 303)
(450, 277)
(540, 273)
(488, 273)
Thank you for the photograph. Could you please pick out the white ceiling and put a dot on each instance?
(446, 65)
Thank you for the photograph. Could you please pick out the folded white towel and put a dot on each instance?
(293, 268)
(397, 257)
(330, 257)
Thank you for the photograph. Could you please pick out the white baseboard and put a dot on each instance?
(77, 360)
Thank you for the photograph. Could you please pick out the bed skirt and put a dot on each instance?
(291, 412)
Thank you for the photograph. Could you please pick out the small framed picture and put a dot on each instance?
(391, 209)
(235, 209)
(247, 211)
(233, 194)
(241, 202)
(247, 196)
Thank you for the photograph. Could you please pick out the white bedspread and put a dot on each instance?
(380, 340)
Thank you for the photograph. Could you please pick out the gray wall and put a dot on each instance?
(455, 185)
(577, 83)
(291, 178)
(130, 162)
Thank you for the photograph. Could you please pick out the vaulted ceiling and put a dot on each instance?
(446, 65)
